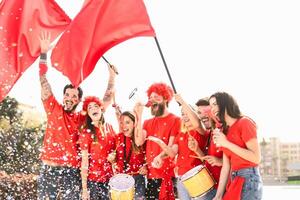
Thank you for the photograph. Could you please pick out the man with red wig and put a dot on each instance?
(165, 126)
(59, 155)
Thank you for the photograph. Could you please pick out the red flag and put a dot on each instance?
(100, 25)
(21, 22)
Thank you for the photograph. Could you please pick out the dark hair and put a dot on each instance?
(90, 126)
(80, 92)
(203, 102)
(226, 103)
(128, 114)
(132, 117)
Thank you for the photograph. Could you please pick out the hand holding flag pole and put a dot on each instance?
(110, 65)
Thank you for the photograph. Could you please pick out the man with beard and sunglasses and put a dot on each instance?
(60, 174)
(165, 126)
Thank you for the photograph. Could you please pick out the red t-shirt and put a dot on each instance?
(162, 128)
(213, 150)
(239, 133)
(184, 161)
(61, 135)
(135, 158)
(100, 170)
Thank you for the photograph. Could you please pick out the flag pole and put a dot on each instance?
(110, 65)
(106, 60)
(165, 64)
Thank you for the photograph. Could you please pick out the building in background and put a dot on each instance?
(279, 160)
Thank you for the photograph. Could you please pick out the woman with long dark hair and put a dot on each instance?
(130, 158)
(97, 144)
(241, 153)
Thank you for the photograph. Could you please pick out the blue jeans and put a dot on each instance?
(98, 190)
(140, 186)
(253, 187)
(184, 195)
(59, 181)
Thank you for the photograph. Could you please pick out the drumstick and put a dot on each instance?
(201, 158)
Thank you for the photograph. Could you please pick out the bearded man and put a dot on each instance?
(164, 126)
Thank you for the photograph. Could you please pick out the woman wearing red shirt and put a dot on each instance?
(97, 143)
(130, 158)
(241, 154)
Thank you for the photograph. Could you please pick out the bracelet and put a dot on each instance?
(43, 56)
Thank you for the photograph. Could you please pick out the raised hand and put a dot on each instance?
(45, 41)
(112, 70)
(219, 138)
(138, 108)
(178, 98)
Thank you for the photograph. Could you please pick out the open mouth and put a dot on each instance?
(186, 119)
(125, 129)
(95, 114)
(204, 119)
(154, 105)
(68, 104)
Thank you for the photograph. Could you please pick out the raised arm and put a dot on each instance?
(139, 133)
(108, 95)
(46, 91)
(191, 114)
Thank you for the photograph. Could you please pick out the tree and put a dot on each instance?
(9, 110)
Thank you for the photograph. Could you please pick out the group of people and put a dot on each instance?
(82, 152)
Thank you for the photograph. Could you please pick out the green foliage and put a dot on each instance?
(19, 149)
(9, 110)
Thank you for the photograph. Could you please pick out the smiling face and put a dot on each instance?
(203, 113)
(126, 125)
(158, 104)
(70, 99)
(94, 111)
(214, 107)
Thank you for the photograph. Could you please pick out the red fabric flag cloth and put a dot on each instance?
(100, 25)
(166, 189)
(21, 22)
(234, 189)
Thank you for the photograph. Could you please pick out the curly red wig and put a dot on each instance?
(161, 89)
(88, 100)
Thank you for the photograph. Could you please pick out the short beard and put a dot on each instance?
(72, 110)
(160, 111)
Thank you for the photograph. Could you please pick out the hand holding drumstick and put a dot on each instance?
(194, 146)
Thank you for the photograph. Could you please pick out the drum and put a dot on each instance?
(198, 181)
(121, 187)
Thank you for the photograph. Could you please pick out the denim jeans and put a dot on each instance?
(98, 190)
(184, 195)
(140, 187)
(253, 187)
(59, 181)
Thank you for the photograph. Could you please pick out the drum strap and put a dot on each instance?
(126, 158)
